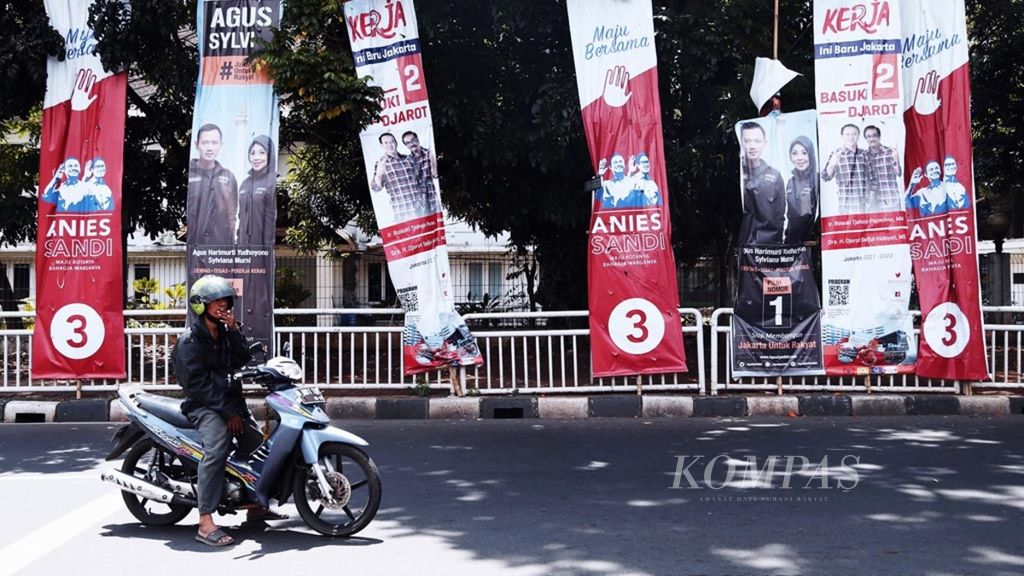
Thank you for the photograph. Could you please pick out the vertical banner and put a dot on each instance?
(866, 325)
(940, 191)
(79, 331)
(776, 328)
(401, 166)
(232, 174)
(633, 296)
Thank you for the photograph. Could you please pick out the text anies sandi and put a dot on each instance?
(941, 237)
(627, 233)
(86, 237)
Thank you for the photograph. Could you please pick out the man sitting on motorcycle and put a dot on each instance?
(203, 358)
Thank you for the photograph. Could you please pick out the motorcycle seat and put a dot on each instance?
(166, 409)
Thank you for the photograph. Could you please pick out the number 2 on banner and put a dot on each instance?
(410, 68)
(884, 78)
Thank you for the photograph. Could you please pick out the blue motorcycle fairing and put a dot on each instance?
(313, 438)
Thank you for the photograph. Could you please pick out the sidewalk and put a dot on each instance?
(573, 407)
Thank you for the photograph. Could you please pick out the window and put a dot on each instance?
(22, 272)
(375, 281)
(495, 280)
(476, 282)
(140, 272)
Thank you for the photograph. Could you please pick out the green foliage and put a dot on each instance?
(288, 289)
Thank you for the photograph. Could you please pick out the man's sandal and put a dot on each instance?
(216, 538)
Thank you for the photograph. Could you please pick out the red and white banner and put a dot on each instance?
(940, 188)
(79, 330)
(401, 166)
(866, 324)
(633, 295)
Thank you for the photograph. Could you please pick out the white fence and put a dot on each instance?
(525, 352)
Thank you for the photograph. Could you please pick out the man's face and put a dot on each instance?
(850, 136)
(412, 143)
(72, 167)
(99, 168)
(209, 145)
(390, 145)
(645, 164)
(218, 307)
(618, 164)
(753, 143)
(874, 139)
(933, 171)
(258, 157)
(949, 167)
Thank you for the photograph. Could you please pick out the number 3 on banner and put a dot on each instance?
(636, 326)
(947, 330)
(77, 331)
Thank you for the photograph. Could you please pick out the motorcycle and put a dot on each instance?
(336, 486)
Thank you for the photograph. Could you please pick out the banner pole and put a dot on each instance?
(639, 385)
(775, 37)
(778, 384)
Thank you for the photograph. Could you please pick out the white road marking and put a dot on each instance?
(91, 475)
(37, 544)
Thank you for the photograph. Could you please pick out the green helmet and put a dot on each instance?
(207, 289)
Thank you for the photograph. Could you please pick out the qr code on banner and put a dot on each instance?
(839, 295)
(409, 299)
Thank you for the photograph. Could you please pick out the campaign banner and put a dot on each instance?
(776, 325)
(401, 166)
(232, 173)
(631, 273)
(79, 330)
(866, 324)
(940, 189)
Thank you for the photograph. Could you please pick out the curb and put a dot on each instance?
(571, 407)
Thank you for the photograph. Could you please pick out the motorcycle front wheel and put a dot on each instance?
(147, 461)
(354, 496)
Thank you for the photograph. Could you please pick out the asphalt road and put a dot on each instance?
(915, 495)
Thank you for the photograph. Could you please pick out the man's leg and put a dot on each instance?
(213, 431)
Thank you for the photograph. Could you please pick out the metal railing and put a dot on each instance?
(1003, 355)
(525, 352)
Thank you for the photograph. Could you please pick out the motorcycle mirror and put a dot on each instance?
(286, 349)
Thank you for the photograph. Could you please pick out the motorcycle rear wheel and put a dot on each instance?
(356, 490)
(144, 455)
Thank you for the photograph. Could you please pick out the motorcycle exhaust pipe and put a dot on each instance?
(145, 489)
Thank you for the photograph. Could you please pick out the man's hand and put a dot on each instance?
(616, 86)
(235, 425)
(227, 316)
(81, 96)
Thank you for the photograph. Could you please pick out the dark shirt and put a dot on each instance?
(764, 206)
(212, 205)
(202, 366)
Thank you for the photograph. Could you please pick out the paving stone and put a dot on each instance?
(829, 405)
(616, 406)
(772, 405)
(726, 406)
(667, 406)
(402, 409)
(508, 407)
(563, 407)
(92, 410)
(454, 408)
